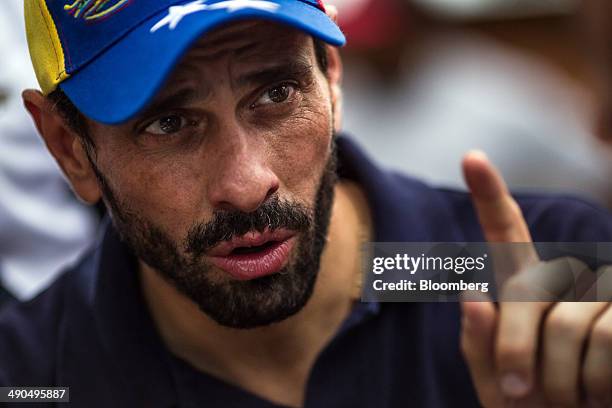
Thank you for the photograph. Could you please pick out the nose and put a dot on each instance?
(242, 179)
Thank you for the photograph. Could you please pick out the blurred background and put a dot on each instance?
(529, 82)
(42, 226)
(428, 80)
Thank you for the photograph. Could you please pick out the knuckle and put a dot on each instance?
(575, 265)
(601, 336)
(565, 325)
(573, 262)
(517, 354)
(516, 286)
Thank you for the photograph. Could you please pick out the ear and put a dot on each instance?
(334, 73)
(65, 146)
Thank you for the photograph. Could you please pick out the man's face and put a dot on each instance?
(224, 185)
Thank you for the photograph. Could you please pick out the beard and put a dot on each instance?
(232, 303)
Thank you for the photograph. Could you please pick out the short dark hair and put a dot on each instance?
(72, 117)
(76, 120)
(320, 48)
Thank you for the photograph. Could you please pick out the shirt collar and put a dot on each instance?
(403, 209)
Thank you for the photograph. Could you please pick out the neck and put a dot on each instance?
(273, 361)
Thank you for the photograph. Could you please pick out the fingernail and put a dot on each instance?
(514, 386)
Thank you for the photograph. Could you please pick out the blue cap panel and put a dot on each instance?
(87, 27)
(103, 22)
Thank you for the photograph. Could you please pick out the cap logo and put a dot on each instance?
(94, 9)
(176, 13)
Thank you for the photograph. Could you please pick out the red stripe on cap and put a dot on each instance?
(321, 5)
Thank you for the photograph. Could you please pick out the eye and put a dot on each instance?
(277, 94)
(167, 125)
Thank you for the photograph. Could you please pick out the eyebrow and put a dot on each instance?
(179, 98)
(267, 75)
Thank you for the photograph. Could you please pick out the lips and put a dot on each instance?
(253, 255)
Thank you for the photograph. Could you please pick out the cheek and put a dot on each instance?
(165, 192)
(301, 154)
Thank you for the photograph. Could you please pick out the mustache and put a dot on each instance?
(273, 214)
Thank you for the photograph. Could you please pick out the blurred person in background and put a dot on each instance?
(597, 25)
(442, 77)
(42, 226)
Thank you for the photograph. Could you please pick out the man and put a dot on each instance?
(228, 274)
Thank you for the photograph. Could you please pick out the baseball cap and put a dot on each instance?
(110, 57)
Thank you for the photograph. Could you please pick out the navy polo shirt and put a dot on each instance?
(92, 332)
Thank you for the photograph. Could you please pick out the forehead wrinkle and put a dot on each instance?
(225, 39)
(241, 37)
(246, 53)
(218, 51)
(287, 53)
(232, 49)
(229, 32)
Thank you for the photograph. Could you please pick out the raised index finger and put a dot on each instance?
(499, 214)
(502, 222)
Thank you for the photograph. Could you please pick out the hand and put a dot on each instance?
(531, 354)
